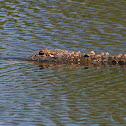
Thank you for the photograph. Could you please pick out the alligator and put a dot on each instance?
(53, 57)
(57, 56)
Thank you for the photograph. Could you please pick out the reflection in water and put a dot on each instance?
(88, 66)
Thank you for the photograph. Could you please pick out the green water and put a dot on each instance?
(61, 95)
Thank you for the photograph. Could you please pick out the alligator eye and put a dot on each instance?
(86, 55)
(114, 62)
(41, 53)
(121, 62)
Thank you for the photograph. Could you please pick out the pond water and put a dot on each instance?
(61, 95)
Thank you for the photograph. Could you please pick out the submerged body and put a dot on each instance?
(65, 57)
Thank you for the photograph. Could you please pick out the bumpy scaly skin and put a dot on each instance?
(65, 57)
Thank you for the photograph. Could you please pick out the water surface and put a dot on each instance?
(61, 95)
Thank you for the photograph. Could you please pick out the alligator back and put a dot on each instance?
(65, 57)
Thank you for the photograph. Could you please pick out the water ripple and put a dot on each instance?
(61, 95)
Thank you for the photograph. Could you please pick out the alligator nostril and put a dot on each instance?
(41, 53)
(114, 62)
